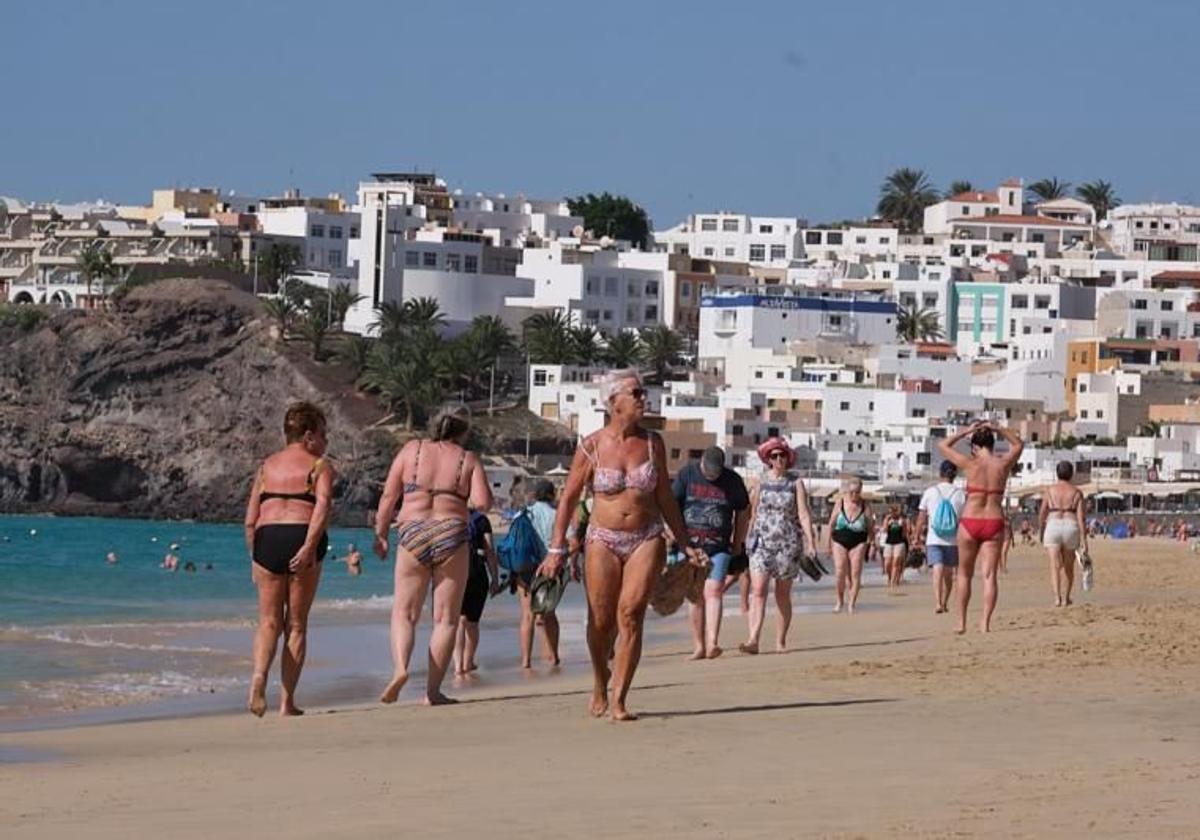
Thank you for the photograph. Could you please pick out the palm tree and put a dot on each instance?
(283, 310)
(959, 187)
(585, 342)
(1151, 428)
(424, 313)
(391, 321)
(493, 337)
(313, 327)
(661, 347)
(1101, 195)
(353, 352)
(402, 380)
(913, 324)
(904, 196)
(341, 298)
(278, 261)
(95, 262)
(624, 350)
(547, 338)
(1049, 189)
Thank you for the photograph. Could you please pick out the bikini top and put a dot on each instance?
(643, 477)
(414, 487)
(895, 527)
(984, 491)
(1074, 504)
(310, 485)
(858, 523)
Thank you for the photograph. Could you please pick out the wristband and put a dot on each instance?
(559, 550)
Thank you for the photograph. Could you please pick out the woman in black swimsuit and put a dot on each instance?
(851, 528)
(286, 518)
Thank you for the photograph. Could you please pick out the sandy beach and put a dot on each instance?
(1061, 723)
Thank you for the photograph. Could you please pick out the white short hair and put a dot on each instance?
(611, 382)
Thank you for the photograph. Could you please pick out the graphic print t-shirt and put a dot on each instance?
(708, 506)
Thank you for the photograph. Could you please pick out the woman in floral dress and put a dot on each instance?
(780, 521)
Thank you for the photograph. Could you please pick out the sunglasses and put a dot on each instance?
(637, 393)
(777, 456)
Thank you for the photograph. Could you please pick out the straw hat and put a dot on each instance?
(776, 444)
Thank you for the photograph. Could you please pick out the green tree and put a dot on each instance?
(585, 344)
(313, 327)
(624, 350)
(612, 215)
(1049, 189)
(277, 261)
(914, 324)
(547, 338)
(402, 380)
(661, 348)
(492, 337)
(341, 298)
(283, 310)
(391, 321)
(1101, 195)
(353, 351)
(1151, 428)
(95, 262)
(959, 187)
(904, 196)
(424, 313)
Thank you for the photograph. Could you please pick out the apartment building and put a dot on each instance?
(735, 237)
(1166, 232)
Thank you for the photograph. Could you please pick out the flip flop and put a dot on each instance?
(545, 593)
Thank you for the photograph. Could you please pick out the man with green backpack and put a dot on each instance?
(937, 529)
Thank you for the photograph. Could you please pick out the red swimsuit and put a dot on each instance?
(985, 528)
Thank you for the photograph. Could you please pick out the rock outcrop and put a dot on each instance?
(161, 407)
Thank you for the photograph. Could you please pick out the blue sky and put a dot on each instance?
(784, 108)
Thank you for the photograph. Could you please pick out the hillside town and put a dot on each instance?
(1068, 315)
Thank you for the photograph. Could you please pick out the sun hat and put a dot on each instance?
(776, 444)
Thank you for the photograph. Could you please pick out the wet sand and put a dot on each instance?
(1060, 723)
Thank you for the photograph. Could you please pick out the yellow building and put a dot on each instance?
(1084, 356)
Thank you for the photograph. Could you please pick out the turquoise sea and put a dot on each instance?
(82, 640)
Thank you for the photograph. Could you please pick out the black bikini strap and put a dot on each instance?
(417, 462)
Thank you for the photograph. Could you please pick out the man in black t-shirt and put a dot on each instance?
(716, 508)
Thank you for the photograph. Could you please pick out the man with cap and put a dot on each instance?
(715, 507)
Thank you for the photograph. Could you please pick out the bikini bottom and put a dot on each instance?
(983, 529)
(623, 543)
(432, 541)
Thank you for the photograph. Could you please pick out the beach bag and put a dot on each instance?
(1086, 575)
(521, 549)
(945, 518)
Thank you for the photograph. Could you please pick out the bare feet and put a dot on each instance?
(1068, 602)
(746, 647)
(598, 706)
(961, 628)
(472, 667)
(393, 688)
(621, 714)
(438, 699)
(258, 697)
(526, 664)
(715, 652)
(698, 653)
(781, 645)
(837, 607)
(983, 628)
(850, 610)
(1058, 602)
(939, 610)
(290, 710)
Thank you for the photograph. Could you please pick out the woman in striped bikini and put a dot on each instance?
(625, 548)
(981, 526)
(434, 480)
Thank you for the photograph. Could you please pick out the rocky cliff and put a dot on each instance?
(161, 407)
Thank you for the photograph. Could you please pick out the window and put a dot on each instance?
(651, 288)
(539, 377)
(918, 412)
(471, 264)
(685, 288)
(335, 232)
(766, 229)
(633, 289)
(317, 231)
(1137, 225)
(729, 252)
(738, 429)
(844, 406)
(411, 258)
(453, 262)
(885, 240)
(1041, 301)
(708, 224)
(1083, 414)
(729, 225)
(1139, 303)
(1083, 387)
(778, 375)
(966, 211)
(835, 320)
(1100, 414)
(758, 253)
(592, 315)
(758, 374)
(607, 314)
(1167, 305)
(833, 238)
(860, 240)
(1037, 237)
(779, 252)
(928, 240)
(335, 259)
(354, 231)
(812, 237)
(709, 251)
(651, 313)
(429, 259)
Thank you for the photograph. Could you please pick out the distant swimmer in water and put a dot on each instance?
(286, 517)
(189, 566)
(111, 558)
(353, 560)
(208, 567)
(169, 562)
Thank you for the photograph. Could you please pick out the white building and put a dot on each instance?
(514, 222)
(325, 235)
(1154, 231)
(854, 244)
(1148, 313)
(1097, 400)
(734, 237)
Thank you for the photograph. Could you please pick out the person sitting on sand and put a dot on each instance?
(435, 479)
(941, 549)
(850, 528)
(353, 560)
(625, 549)
(781, 532)
(286, 519)
(716, 508)
(483, 578)
(981, 527)
(1061, 522)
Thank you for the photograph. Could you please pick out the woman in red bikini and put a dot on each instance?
(981, 524)
(624, 549)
